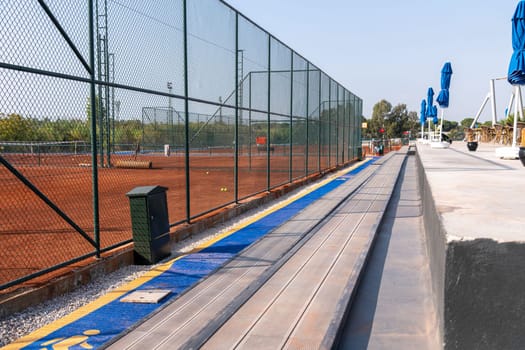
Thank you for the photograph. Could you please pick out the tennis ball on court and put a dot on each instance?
(207, 172)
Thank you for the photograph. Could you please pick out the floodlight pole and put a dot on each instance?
(170, 113)
(220, 109)
(240, 76)
(117, 107)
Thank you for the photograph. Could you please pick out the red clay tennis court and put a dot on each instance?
(33, 237)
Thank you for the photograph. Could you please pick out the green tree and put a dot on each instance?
(449, 125)
(467, 122)
(377, 121)
(400, 120)
(14, 127)
(456, 134)
(129, 132)
(395, 121)
(413, 124)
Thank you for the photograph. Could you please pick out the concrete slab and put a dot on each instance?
(151, 296)
(476, 243)
(476, 193)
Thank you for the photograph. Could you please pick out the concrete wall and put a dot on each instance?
(485, 295)
(435, 239)
(478, 284)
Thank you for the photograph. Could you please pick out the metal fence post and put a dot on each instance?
(337, 162)
(268, 141)
(96, 225)
(359, 111)
(307, 119)
(290, 128)
(329, 122)
(186, 111)
(319, 127)
(236, 146)
(344, 128)
(250, 121)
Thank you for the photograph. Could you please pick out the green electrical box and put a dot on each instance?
(149, 223)
(359, 153)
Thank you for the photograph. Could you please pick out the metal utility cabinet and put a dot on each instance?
(149, 223)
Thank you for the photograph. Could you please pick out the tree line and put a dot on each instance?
(397, 121)
(17, 128)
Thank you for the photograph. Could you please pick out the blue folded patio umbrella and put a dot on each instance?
(435, 119)
(446, 75)
(423, 115)
(443, 98)
(516, 75)
(430, 101)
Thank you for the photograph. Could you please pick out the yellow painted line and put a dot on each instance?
(276, 207)
(158, 270)
(87, 309)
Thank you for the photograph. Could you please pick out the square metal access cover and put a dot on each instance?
(150, 296)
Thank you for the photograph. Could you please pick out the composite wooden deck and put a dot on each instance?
(292, 288)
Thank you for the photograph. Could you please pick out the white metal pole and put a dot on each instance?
(520, 102)
(429, 131)
(480, 110)
(518, 111)
(511, 101)
(493, 102)
(516, 107)
(441, 125)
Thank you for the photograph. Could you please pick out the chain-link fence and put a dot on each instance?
(100, 96)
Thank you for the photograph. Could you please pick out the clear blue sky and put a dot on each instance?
(395, 50)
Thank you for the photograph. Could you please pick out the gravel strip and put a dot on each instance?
(27, 321)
